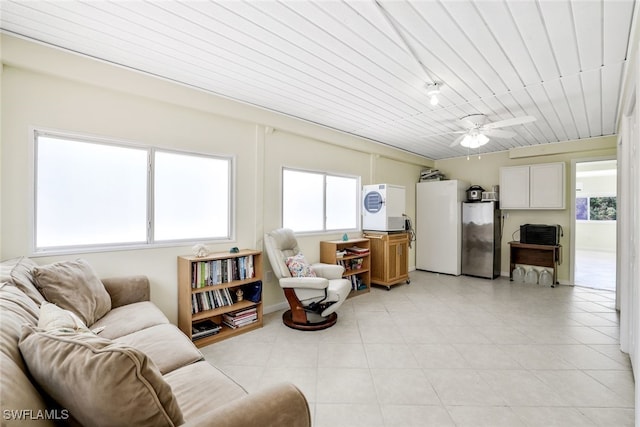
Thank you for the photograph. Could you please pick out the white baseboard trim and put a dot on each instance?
(275, 307)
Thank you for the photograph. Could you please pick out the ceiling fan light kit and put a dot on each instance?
(479, 130)
(474, 140)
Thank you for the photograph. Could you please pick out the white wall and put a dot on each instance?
(34, 99)
(628, 185)
(486, 173)
(48, 88)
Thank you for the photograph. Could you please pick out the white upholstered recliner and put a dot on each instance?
(313, 300)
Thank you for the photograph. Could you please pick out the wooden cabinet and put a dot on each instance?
(540, 186)
(222, 288)
(389, 258)
(354, 256)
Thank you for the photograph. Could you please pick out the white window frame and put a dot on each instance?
(150, 242)
(325, 174)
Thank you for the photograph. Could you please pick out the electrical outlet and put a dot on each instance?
(268, 276)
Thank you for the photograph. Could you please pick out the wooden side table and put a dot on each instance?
(389, 257)
(538, 255)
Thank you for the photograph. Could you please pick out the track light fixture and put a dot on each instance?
(433, 90)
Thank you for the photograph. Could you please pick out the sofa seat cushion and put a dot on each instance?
(100, 382)
(130, 318)
(212, 389)
(19, 272)
(166, 345)
(74, 286)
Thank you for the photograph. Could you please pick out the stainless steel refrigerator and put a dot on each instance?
(481, 237)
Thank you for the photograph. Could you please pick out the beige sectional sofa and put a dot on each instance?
(129, 366)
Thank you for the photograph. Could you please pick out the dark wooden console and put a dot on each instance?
(538, 255)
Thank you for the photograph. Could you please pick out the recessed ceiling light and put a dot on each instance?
(433, 90)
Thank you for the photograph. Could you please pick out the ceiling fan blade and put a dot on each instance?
(509, 122)
(444, 133)
(457, 140)
(497, 133)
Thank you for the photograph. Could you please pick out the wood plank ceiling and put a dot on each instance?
(361, 66)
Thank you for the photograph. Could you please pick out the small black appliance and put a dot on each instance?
(540, 234)
(474, 193)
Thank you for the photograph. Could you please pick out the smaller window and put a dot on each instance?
(596, 208)
(191, 197)
(317, 201)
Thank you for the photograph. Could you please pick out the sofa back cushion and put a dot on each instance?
(100, 382)
(17, 309)
(19, 272)
(74, 286)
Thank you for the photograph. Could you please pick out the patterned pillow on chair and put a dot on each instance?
(299, 267)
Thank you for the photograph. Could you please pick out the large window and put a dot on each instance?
(316, 201)
(96, 194)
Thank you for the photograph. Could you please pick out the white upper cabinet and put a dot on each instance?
(539, 186)
(514, 187)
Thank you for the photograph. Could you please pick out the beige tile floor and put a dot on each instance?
(595, 269)
(449, 351)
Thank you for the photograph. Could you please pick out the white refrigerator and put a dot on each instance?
(439, 225)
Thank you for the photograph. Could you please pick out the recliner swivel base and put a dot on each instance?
(287, 319)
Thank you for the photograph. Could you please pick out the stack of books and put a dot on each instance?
(237, 319)
(204, 329)
(356, 250)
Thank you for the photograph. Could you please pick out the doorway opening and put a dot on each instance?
(595, 224)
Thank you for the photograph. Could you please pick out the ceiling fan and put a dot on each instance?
(478, 129)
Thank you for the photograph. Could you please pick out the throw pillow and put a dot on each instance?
(100, 382)
(299, 267)
(74, 286)
(55, 319)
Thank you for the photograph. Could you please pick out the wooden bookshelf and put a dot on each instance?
(207, 291)
(357, 265)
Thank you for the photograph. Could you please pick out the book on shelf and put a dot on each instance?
(219, 271)
(204, 329)
(209, 300)
(351, 264)
(357, 284)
